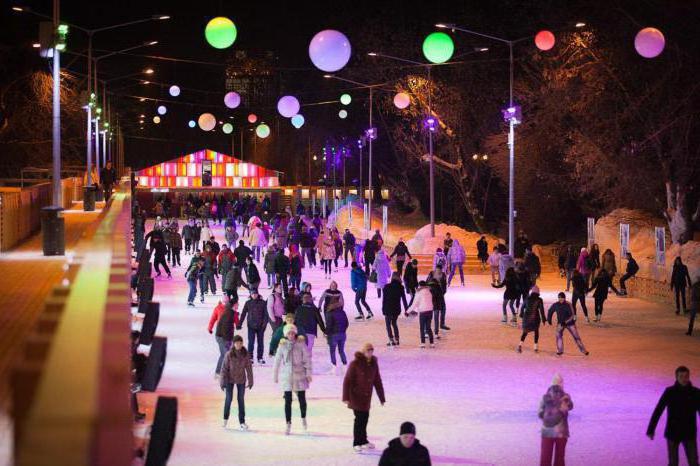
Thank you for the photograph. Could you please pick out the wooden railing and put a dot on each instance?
(71, 388)
(20, 209)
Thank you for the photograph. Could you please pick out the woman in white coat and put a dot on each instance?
(257, 240)
(292, 371)
(383, 268)
(205, 234)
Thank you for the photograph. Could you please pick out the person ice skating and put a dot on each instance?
(532, 316)
(294, 267)
(524, 284)
(394, 295)
(275, 307)
(326, 249)
(505, 262)
(570, 265)
(237, 371)
(694, 306)
(410, 278)
(192, 276)
(584, 264)
(456, 257)
(446, 245)
(681, 401)
(225, 261)
(225, 317)
(554, 412)
(609, 263)
(630, 271)
(252, 274)
(269, 265)
(382, 268)
(580, 288)
(255, 309)
(278, 334)
(257, 240)
(208, 280)
(679, 279)
(282, 269)
(437, 290)
(361, 379)
(233, 281)
(494, 260)
(159, 256)
(510, 282)
(292, 370)
(401, 252)
(482, 252)
(336, 328)
(175, 247)
(405, 450)
(349, 243)
(358, 282)
(440, 259)
(532, 265)
(423, 305)
(308, 317)
(205, 233)
(231, 236)
(522, 244)
(601, 284)
(594, 255)
(566, 320)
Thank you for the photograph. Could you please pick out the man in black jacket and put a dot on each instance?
(348, 246)
(282, 264)
(406, 449)
(108, 176)
(256, 311)
(630, 271)
(392, 297)
(683, 403)
(159, 256)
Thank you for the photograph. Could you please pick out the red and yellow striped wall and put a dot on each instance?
(226, 172)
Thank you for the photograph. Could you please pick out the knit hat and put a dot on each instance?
(289, 328)
(407, 428)
(558, 380)
(535, 289)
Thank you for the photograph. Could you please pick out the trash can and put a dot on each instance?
(53, 231)
(89, 194)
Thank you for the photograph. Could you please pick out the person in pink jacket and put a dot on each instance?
(582, 265)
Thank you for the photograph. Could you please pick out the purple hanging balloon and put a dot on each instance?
(330, 50)
(288, 106)
(649, 42)
(232, 99)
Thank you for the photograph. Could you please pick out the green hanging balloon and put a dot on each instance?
(438, 47)
(220, 32)
(345, 99)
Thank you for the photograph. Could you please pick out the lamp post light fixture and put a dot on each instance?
(512, 115)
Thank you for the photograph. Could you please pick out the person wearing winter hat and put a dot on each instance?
(292, 370)
(554, 412)
(532, 315)
(360, 380)
(406, 449)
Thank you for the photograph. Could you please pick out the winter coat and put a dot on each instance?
(358, 279)
(440, 259)
(275, 306)
(600, 284)
(225, 259)
(175, 241)
(292, 367)
(187, 233)
(482, 248)
(437, 295)
(680, 277)
(532, 264)
(308, 317)
(277, 336)
(579, 283)
(269, 262)
(512, 288)
(360, 379)
(423, 302)
(632, 267)
(251, 272)
(336, 322)
(533, 314)
(196, 233)
(257, 237)
(410, 276)
(242, 253)
(456, 254)
(349, 240)
(306, 240)
(282, 263)
(331, 299)
(521, 245)
(505, 262)
(231, 236)
(683, 404)
(398, 455)
(159, 250)
(205, 234)
(370, 251)
(441, 280)
(564, 312)
(237, 368)
(392, 296)
(383, 268)
(554, 412)
(609, 263)
(571, 260)
(326, 247)
(210, 265)
(256, 311)
(494, 259)
(225, 320)
(401, 251)
(446, 245)
(524, 282)
(582, 263)
(295, 265)
(233, 280)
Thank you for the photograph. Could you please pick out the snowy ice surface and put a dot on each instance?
(473, 399)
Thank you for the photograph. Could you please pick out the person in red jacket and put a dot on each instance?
(361, 378)
(225, 317)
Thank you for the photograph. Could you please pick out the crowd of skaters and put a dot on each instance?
(288, 244)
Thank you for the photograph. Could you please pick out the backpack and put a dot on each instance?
(552, 414)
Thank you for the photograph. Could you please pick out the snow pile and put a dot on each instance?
(423, 243)
(642, 244)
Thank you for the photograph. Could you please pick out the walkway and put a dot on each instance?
(474, 399)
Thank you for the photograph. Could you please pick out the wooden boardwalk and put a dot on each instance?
(26, 279)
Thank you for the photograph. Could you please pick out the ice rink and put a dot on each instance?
(473, 399)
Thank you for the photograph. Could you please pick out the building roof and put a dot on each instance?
(226, 172)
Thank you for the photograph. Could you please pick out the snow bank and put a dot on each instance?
(642, 244)
(423, 243)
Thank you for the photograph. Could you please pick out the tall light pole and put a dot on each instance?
(513, 116)
(370, 133)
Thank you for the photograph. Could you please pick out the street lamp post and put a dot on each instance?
(513, 116)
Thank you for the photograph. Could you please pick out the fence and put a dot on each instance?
(20, 209)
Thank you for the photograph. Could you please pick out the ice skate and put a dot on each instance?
(305, 426)
(288, 429)
(357, 448)
(432, 345)
(243, 427)
(368, 446)
(422, 346)
(225, 423)
(518, 349)
(360, 317)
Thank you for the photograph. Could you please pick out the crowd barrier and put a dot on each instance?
(20, 209)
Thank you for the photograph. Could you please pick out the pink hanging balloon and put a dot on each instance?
(544, 40)
(649, 42)
(402, 100)
(252, 118)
